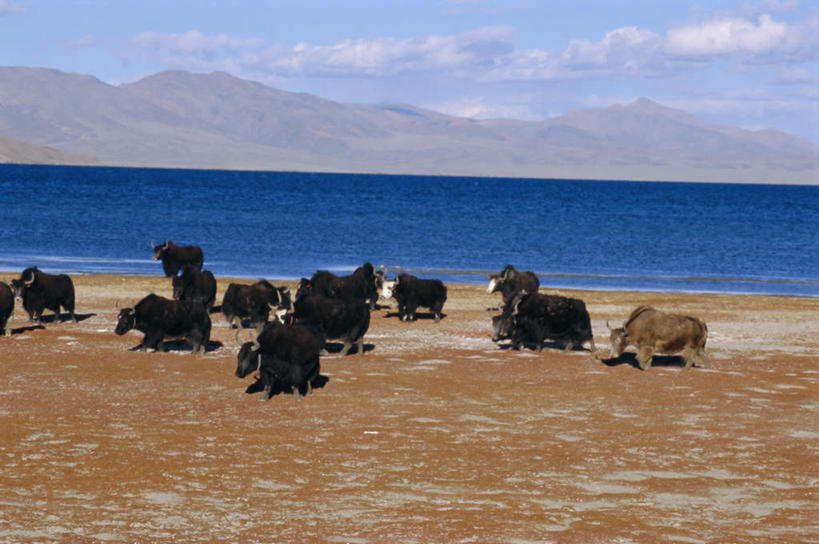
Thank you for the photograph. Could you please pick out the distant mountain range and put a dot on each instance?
(186, 120)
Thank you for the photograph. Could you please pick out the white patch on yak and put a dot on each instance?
(387, 288)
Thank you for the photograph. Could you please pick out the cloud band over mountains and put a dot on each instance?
(491, 53)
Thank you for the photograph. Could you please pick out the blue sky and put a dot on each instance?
(753, 64)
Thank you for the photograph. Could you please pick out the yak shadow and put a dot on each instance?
(557, 346)
(336, 347)
(52, 318)
(28, 328)
(418, 315)
(257, 386)
(182, 345)
(658, 360)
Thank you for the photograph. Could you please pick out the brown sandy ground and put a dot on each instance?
(435, 435)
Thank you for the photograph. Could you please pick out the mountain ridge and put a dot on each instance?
(188, 120)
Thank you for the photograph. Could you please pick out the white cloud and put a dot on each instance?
(727, 36)
(10, 8)
(489, 54)
(389, 56)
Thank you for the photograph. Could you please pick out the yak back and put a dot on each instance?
(560, 314)
(426, 292)
(671, 332)
(297, 344)
(173, 317)
(333, 317)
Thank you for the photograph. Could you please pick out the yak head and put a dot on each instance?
(18, 288)
(284, 306)
(178, 287)
(495, 283)
(305, 288)
(29, 276)
(247, 360)
(388, 287)
(160, 250)
(125, 321)
(502, 324)
(618, 339)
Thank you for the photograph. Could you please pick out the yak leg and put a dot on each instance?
(644, 357)
(540, 337)
(705, 358)
(688, 357)
(347, 346)
(150, 341)
(296, 393)
(197, 341)
(57, 315)
(8, 325)
(568, 346)
(360, 346)
(267, 392)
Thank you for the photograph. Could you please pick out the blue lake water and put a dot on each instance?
(681, 237)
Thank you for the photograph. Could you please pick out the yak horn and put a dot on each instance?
(250, 335)
(256, 344)
(116, 304)
(608, 326)
(153, 245)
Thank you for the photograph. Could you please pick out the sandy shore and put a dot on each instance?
(435, 435)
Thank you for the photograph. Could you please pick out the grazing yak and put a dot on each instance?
(6, 308)
(285, 356)
(335, 318)
(254, 302)
(511, 281)
(40, 291)
(159, 318)
(195, 285)
(652, 331)
(360, 285)
(532, 318)
(174, 257)
(411, 293)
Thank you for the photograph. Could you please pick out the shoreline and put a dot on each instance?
(548, 280)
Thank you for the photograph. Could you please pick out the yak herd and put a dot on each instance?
(284, 351)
